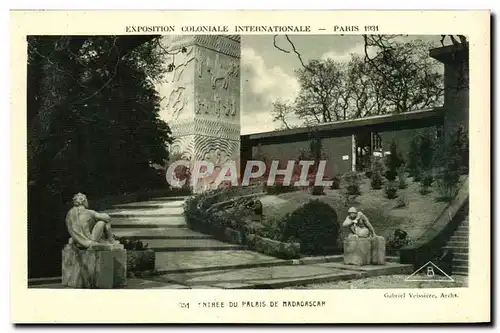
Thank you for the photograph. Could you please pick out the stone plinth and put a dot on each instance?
(364, 251)
(100, 267)
(357, 251)
(378, 250)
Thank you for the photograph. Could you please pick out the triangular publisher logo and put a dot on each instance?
(429, 272)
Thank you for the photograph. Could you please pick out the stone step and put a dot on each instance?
(261, 277)
(174, 245)
(456, 238)
(148, 222)
(177, 198)
(461, 233)
(463, 239)
(457, 249)
(464, 228)
(159, 233)
(461, 256)
(460, 262)
(193, 261)
(150, 204)
(283, 276)
(462, 270)
(453, 243)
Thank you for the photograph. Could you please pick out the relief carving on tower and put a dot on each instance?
(219, 75)
(177, 82)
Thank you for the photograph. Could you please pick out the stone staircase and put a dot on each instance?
(160, 224)
(459, 244)
(189, 259)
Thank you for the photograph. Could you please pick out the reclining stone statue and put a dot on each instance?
(362, 246)
(92, 258)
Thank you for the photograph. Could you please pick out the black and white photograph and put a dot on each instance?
(250, 167)
(295, 161)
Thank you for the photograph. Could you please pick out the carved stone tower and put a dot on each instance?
(201, 97)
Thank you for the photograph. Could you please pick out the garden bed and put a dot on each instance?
(231, 220)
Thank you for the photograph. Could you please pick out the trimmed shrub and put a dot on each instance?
(399, 239)
(424, 189)
(402, 201)
(402, 181)
(391, 190)
(427, 151)
(352, 182)
(414, 165)
(314, 225)
(427, 179)
(393, 162)
(451, 165)
(132, 243)
(377, 171)
(318, 190)
(278, 188)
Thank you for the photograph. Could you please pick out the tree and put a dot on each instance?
(414, 163)
(281, 112)
(400, 77)
(404, 73)
(366, 98)
(93, 127)
(394, 161)
(324, 95)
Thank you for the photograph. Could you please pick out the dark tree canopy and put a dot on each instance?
(92, 113)
(93, 127)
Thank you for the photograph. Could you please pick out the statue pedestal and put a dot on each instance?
(100, 267)
(364, 251)
(378, 250)
(357, 251)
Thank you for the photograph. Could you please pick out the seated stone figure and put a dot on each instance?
(362, 246)
(92, 259)
(88, 228)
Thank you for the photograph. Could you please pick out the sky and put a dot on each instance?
(268, 73)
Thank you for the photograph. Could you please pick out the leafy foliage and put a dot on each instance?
(414, 163)
(399, 239)
(394, 161)
(336, 180)
(453, 161)
(352, 181)
(132, 243)
(391, 189)
(376, 174)
(315, 226)
(393, 77)
(402, 181)
(318, 190)
(92, 126)
(427, 145)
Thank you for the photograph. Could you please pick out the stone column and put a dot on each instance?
(201, 97)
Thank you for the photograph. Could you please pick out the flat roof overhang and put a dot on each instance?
(353, 124)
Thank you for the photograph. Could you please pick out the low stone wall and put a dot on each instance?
(273, 248)
(201, 215)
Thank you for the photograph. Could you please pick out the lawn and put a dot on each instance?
(416, 216)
